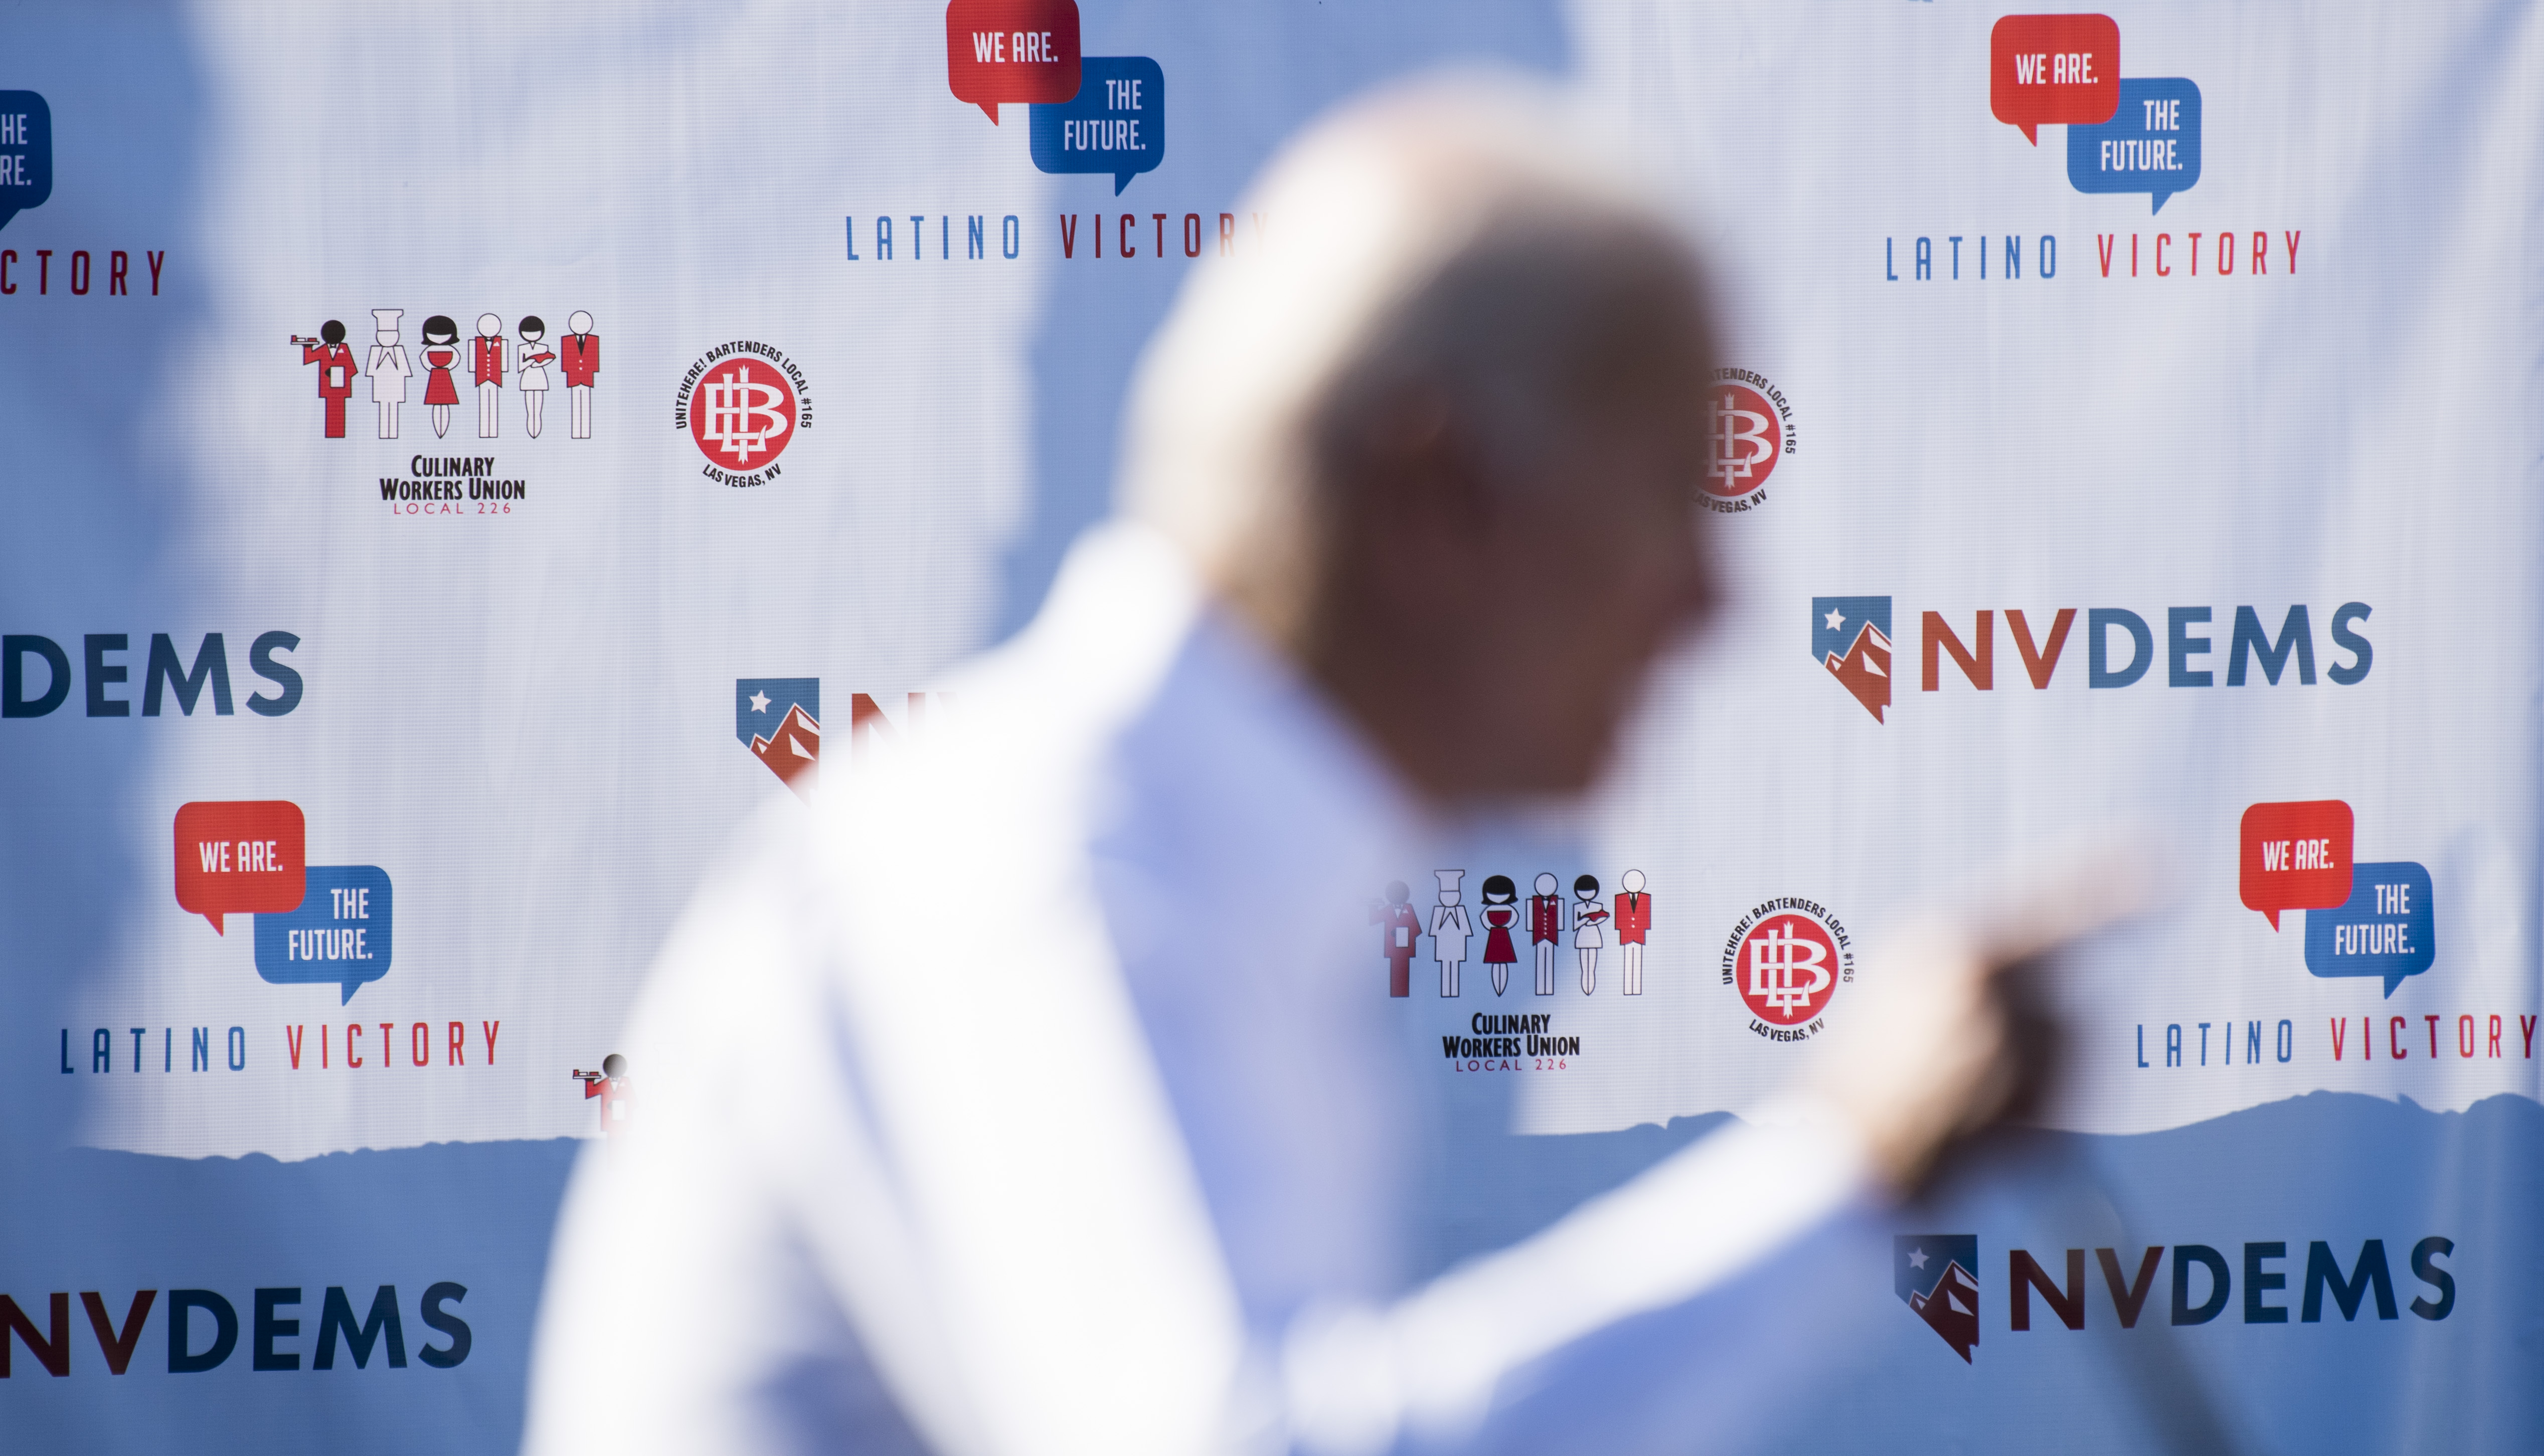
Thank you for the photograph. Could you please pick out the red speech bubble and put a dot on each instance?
(1012, 51)
(2054, 69)
(2296, 855)
(248, 855)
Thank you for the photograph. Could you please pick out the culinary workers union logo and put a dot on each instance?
(1749, 431)
(1786, 957)
(743, 404)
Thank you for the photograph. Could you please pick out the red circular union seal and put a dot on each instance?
(1747, 434)
(1788, 967)
(742, 413)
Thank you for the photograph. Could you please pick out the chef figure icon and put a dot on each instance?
(1633, 922)
(486, 366)
(1587, 916)
(389, 369)
(335, 371)
(1545, 930)
(1449, 931)
(1401, 928)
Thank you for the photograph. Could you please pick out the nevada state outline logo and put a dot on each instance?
(779, 720)
(1936, 1275)
(1850, 638)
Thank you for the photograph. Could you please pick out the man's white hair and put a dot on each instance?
(1464, 235)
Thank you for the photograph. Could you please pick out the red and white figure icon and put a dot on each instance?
(1748, 433)
(486, 354)
(336, 371)
(743, 404)
(615, 1090)
(1786, 959)
(578, 354)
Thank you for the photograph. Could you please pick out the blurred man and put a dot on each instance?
(1126, 1165)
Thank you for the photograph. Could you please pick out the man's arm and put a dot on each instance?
(1432, 1362)
(724, 1213)
(1937, 1054)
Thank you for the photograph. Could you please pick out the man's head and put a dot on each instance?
(613, 1066)
(332, 332)
(1440, 441)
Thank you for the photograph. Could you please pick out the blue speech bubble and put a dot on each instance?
(2389, 928)
(2151, 144)
(339, 934)
(26, 153)
(1117, 122)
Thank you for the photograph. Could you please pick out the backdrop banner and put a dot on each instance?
(425, 424)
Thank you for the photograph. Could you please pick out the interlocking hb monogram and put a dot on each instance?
(743, 414)
(1774, 958)
(1742, 439)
